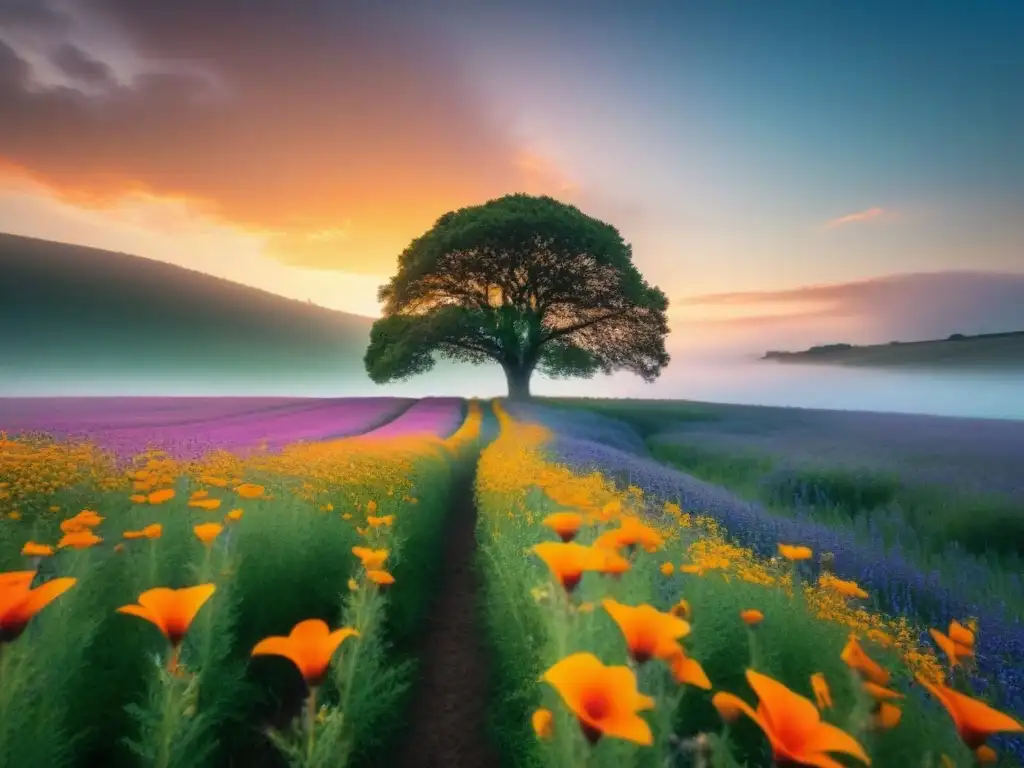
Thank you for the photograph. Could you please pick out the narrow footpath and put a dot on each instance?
(450, 699)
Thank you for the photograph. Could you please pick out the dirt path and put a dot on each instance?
(447, 714)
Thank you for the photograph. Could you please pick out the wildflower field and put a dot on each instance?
(170, 612)
(249, 583)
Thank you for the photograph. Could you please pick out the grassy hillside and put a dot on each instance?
(991, 351)
(68, 311)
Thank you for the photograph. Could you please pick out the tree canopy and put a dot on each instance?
(527, 282)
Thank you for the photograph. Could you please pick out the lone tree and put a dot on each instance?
(527, 282)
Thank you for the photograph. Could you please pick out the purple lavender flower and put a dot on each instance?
(438, 416)
(899, 587)
(188, 428)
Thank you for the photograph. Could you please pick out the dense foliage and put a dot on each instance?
(527, 282)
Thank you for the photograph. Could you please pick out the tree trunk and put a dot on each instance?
(518, 382)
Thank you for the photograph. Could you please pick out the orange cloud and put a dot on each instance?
(338, 134)
(801, 294)
(861, 217)
(765, 320)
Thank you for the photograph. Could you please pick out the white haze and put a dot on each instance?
(726, 380)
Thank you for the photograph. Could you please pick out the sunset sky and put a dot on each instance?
(774, 164)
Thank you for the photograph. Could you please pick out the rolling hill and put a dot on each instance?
(991, 351)
(74, 314)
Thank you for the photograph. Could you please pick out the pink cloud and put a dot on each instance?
(905, 306)
(861, 217)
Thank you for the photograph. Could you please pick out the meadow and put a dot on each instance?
(261, 582)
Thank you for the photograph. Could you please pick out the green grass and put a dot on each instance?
(85, 685)
(647, 417)
(924, 520)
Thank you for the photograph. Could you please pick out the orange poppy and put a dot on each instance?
(170, 610)
(752, 617)
(200, 494)
(975, 721)
(821, 690)
(154, 531)
(630, 533)
(543, 722)
(614, 564)
(309, 646)
(957, 645)
(19, 602)
(372, 559)
(138, 498)
(208, 504)
(233, 516)
(207, 532)
(667, 569)
(607, 511)
(687, 670)
(794, 553)
(960, 634)
(159, 497)
(385, 520)
(843, 587)
(31, 549)
(568, 561)
(379, 577)
(648, 632)
(83, 521)
(857, 659)
(250, 490)
(792, 724)
(604, 699)
(885, 715)
(565, 524)
(79, 539)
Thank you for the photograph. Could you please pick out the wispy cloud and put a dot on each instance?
(903, 306)
(861, 217)
(337, 172)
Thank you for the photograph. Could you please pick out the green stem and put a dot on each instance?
(755, 655)
(310, 724)
(352, 658)
(669, 715)
(154, 563)
(204, 570)
(168, 718)
(4, 656)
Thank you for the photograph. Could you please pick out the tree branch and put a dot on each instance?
(472, 348)
(559, 332)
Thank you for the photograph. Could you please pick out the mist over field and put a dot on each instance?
(729, 380)
(78, 321)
